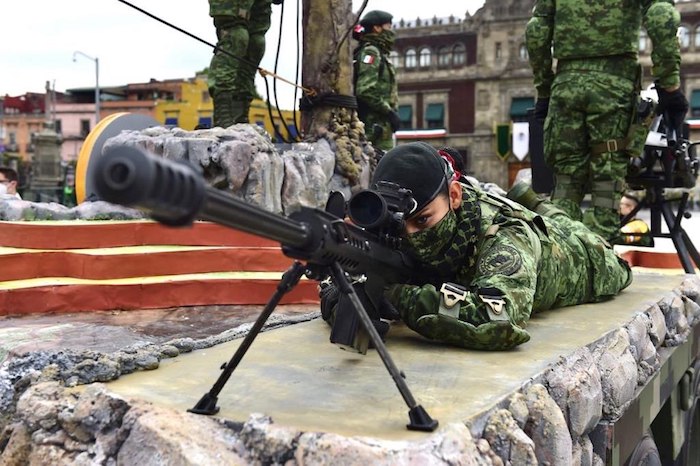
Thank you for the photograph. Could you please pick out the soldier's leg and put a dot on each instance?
(565, 149)
(611, 105)
(258, 24)
(231, 21)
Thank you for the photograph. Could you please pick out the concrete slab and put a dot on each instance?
(297, 377)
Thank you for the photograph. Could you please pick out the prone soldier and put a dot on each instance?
(485, 262)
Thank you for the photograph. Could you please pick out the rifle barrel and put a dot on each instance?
(176, 194)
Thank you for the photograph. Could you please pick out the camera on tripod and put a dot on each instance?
(668, 159)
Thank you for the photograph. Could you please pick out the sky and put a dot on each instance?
(40, 37)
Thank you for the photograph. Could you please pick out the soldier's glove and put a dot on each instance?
(277, 2)
(673, 105)
(394, 121)
(542, 108)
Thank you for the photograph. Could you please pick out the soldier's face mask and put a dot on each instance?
(388, 37)
(428, 244)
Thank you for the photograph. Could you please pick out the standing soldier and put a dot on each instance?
(375, 79)
(590, 102)
(240, 30)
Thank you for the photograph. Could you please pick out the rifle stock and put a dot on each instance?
(176, 194)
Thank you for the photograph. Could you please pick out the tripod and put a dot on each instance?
(661, 208)
(419, 419)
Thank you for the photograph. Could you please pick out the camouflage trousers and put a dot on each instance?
(240, 29)
(378, 131)
(592, 103)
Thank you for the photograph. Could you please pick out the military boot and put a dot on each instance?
(223, 109)
(524, 195)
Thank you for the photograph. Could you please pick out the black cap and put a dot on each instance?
(416, 166)
(375, 18)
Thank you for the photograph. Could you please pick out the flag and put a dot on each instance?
(503, 140)
(521, 140)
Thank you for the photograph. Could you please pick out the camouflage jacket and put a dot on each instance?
(375, 79)
(528, 263)
(576, 30)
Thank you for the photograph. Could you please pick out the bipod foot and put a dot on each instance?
(421, 420)
(207, 405)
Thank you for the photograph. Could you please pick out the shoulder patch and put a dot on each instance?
(503, 260)
(368, 59)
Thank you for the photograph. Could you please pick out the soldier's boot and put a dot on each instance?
(223, 108)
(524, 195)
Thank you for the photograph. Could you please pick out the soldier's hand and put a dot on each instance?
(542, 108)
(673, 105)
(394, 121)
(329, 300)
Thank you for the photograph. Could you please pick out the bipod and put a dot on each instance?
(419, 419)
(660, 209)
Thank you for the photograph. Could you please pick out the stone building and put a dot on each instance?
(464, 81)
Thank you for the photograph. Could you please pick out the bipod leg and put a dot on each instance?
(691, 248)
(679, 237)
(207, 404)
(418, 416)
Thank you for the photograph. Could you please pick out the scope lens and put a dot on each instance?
(367, 209)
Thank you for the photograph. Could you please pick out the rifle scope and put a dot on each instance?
(175, 194)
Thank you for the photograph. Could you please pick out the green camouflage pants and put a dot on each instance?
(592, 102)
(240, 29)
(378, 131)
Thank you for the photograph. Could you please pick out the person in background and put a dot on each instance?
(376, 89)
(589, 102)
(635, 231)
(8, 184)
(240, 30)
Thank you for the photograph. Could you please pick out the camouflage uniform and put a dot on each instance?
(240, 29)
(375, 87)
(514, 259)
(593, 95)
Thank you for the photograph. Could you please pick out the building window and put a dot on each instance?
(292, 130)
(170, 121)
(459, 55)
(410, 58)
(523, 52)
(58, 126)
(498, 53)
(424, 60)
(205, 96)
(696, 37)
(13, 138)
(204, 122)
(406, 116)
(695, 103)
(684, 37)
(643, 40)
(435, 116)
(444, 57)
(84, 128)
(394, 58)
(519, 107)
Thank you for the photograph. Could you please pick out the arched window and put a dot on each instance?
(643, 40)
(523, 52)
(444, 57)
(424, 58)
(394, 58)
(410, 59)
(684, 37)
(459, 55)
